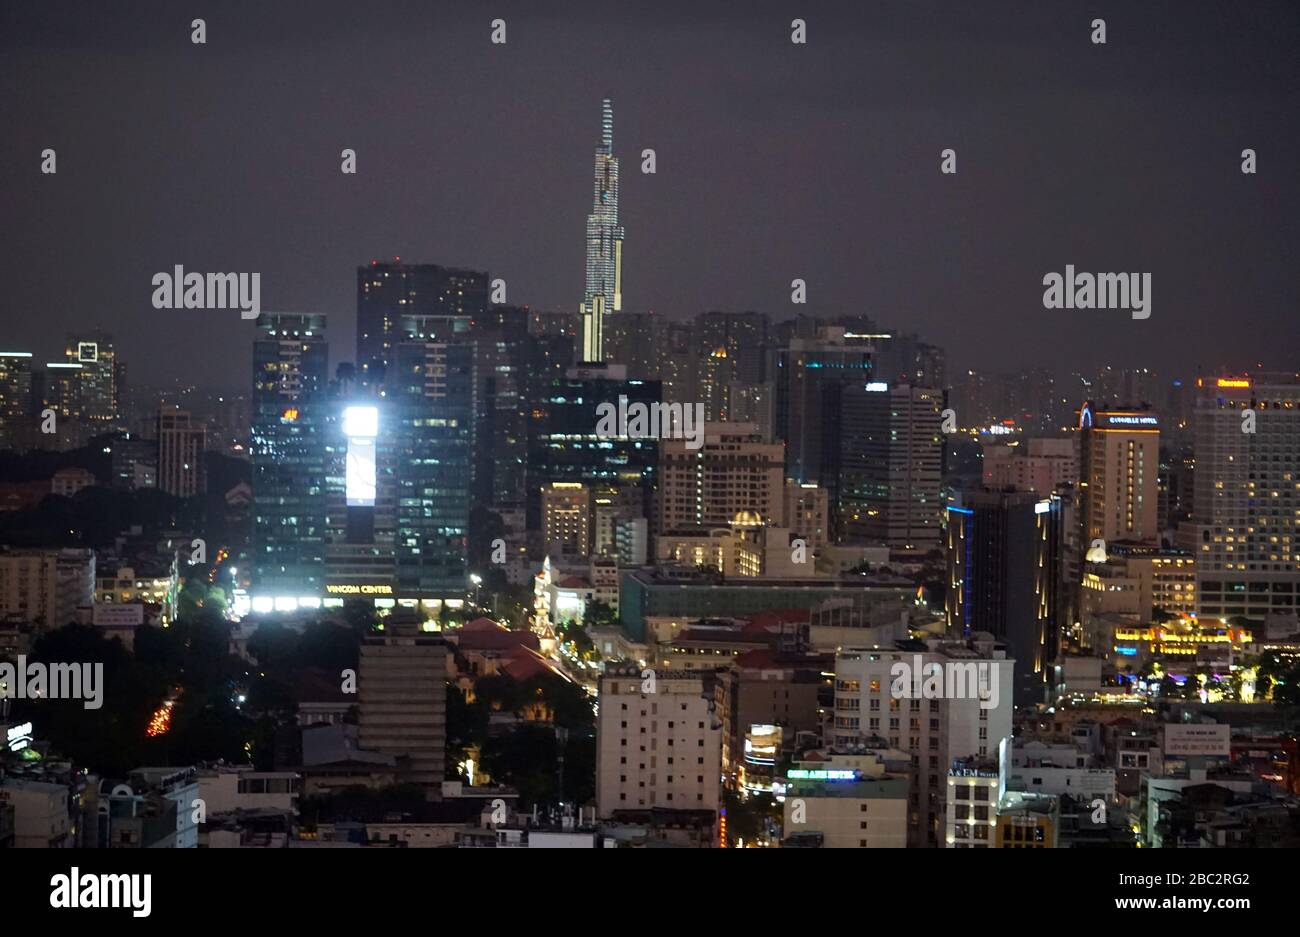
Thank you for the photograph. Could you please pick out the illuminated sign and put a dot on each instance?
(19, 737)
(1133, 420)
(877, 387)
(1231, 382)
(359, 481)
(290, 415)
(360, 426)
(361, 422)
(972, 773)
(87, 351)
(820, 774)
(366, 589)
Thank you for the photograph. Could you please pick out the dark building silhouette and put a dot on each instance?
(1004, 577)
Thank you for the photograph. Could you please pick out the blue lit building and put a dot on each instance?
(1004, 578)
(287, 451)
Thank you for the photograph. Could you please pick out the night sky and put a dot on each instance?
(775, 161)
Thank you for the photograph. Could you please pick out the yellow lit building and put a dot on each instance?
(1027, 821)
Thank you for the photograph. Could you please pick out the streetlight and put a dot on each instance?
(477, 580)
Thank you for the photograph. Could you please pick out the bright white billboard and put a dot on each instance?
(361, 473)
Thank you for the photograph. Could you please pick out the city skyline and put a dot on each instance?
(923, 476)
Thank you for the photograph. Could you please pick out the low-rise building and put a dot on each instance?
(846, 809)
(229, 788)
(40, 813)
(1028, 821)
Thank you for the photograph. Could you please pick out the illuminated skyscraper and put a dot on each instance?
(97, 378)
(564, 446)
(1246, 502)
(431, 386)
(885, 462)
(604, 292)
(444, 299)
(730, 347)
(290, 374)
(1119, 468)
(15, 398)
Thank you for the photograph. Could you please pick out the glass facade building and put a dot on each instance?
(287, 450)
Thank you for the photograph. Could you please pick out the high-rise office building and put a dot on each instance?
(180, 453)
(902, 358)
(1139, 385)
(503, 352)
(653, 348)
(433, 401)
(360, 490)
(1119, 473)
(376, 477)
(444, 299)
(730, 349)
(677, 372)
(636, 340)
(887, 453)
(1245, 529)
(61, 389)
(16, 416)
(97, 397)
(563, 443)
(287, 451)
(402, 690)
(1004, 578)
(58, 390)
(604, 287)
(808, 369)
(736, 471)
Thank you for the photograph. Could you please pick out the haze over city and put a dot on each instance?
(665, 426)
(775, 161)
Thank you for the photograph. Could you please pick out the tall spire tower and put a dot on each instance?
(604, 291)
